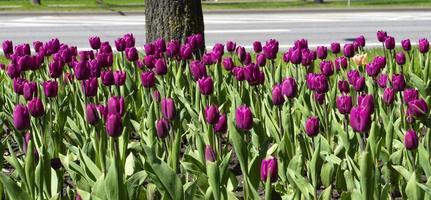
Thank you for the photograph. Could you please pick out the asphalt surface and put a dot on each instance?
(320, 27)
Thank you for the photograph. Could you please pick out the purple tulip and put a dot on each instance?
(209, 154)
(307, 57)
(260, 60)
(253, 75)
(95, 69)
(50, 88)
(82, 70)
(221, 125)
(271, 49)
(398, 82)
(119, 78)
(149, 48)
(94, 42)
(13, 71)
(18, 85)
(239, 73)
(341, 62)
(168, 109)
(360, 41)
(21, 117)
(360, 119)
(344, 104)
(327, 68)
(417, 108)
(120, 44)
(240, 51)
(277, 95)
(381, 36)
(35, 107)
(312, 126)
(212, 114)
(411, 140)
(322, 52)
(173, 49)
(107, 78)
(349, 50)
(29, 90)
(372, 69)
(206, 85)
(198, 70)
(318, 83)
(129, 39)
(400, 58)
(7, 47)
(148, 79)
(160, 45)
(424, 45)
(186, 52)
(247, 59)
(295, 56)
(410, 94)
(301, 44)
(116, 105)
(257, 46)
(90, 87)
(319, 97)
(132, 54)
(244, 118)
(230, 46)
(92, 115)
(388, 96)
(380, 62)
(366, 102)
(56, 163)
(114, 125)
(382, 80)
(228, 63)
(162, 128)
(269, 169)
(335, 47)
(343, 86)
(160, 67)
(390, 42)
(55, 69)
(406, 44)
(156, 96)
(289, 87)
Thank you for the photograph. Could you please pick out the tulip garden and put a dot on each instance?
(171, 121)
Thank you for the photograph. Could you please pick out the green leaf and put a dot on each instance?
(412, 190)
(326, 194)
(403, 171)
(112, 183)
(12, 189)
(214, 178)
(366, 178)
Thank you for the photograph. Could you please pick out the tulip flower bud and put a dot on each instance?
(260, 60)
(156, 96)
(400, 58)
(50, 88)
(359, 84)
(410, 94)
(221, 125)
(206, 85)
(382, 80)
(360, 41)
(349, 50)
(78, 197)
(335, 47)
(114, 125)
(198, 70)
(209, 154)
(21, 117)
(162, 128)
(149, 48)
(312, 126)
(390, 42)
(230, 46)
(27, 138)
(271, 49)
(228, 63)
(417, 108)
(360, 119)
(319, 97)
(322, 52)
(82, 70)
(35, 107)
(289, 87)
(411, 140)
(277, 95)
(7, 47)
(18, 85)
(240, 51)
(148, 79)
(116, 105)
(12, 71)
(343, 86)
(107, 78)
(372, 69)
(423, 45)
(388, 96)
(160, 67)
(94, 42)
(160, 45)
(56, 163)
(212, 114)
(92, 114)
(132, 54)
(119, 78)
(406, 44)
(247, 59)
(295, 56)
(301, 44)
(269, 168)
(90, 86)
(318, 83)
(120, 44)
(55, 68)
(341, 62)
(95, 68)
(173, 49)
(129, 39)
(186, 51)
(168, 108)
(244, 118)
(344, 104)
(239, 73)
(398, 82)
(327, 68)
(381, 36)
(29, 90)
(257, 46)
(367, 102)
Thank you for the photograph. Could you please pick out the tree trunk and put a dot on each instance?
(173, 19)
(35, 2)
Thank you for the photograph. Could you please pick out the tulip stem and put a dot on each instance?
(273, 71)
(280, 121)
(411, 155)
(268, 187)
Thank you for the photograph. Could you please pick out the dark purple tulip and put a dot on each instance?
(247, 59)
(271, 49)
(218, 48)
(156, 96)
(327, 68)
(130, 40)
(411, 140)
(289, 87)
(312, 126)
(7, 47)
(296, 56)
(406, 44)
(21, 117)
(56, 163)
(162, 128)
(148, 79)
(359, 84)
(95, 69)
(240, 51)
(90, 87)
(400, 58)
(277, 95)
(198, 70)
(103, 111)
(160, 67)
(322, 52)
(82, 70)
(119, 78)
(239, 73)
(307, 57)
(417, 108)
(318, 83)
(352, 76)
(114, 125)
(360, 41)
(230, 46)
(149, 61)
(269, 167)
(92, 115)
(372, 69)
(35, 107)
(209, 154)
(343, 86)
(335, 47)
(132, 54)
(13, 71)
(66, 55)
(253, 75)
(301, 44)
(116, 105)
(107, 78)
(206, 85)
(18, 85)
(29, 90)
(344, 104)
(149, 48)
(286, 57)
(120, 44)
(228, 63)
(360, 119)
(381, 36)
(410, 94)
(380, 61)
(424, 45)
(23, 63)
(382, 80)
(349, 50)
(244, 118)
(168, 108)
(261, 60)
(319, 97)
(388, 96)
(160, 45)
(257, 46)
(398, 82)
(94, 42)
(186, 52)
(212, 114)
(390, 42)
(207, 59)
(50, 88)
(221, 125)
(341, 62)
(173, 49)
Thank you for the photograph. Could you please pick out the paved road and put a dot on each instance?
(319, 27)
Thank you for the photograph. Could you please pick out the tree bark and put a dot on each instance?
(173, 19)
(36, 2)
